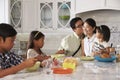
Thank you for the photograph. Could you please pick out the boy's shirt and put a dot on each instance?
(9, 59)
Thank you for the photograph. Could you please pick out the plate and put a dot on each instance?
(58, 55)
(87, 58)
(98, 58)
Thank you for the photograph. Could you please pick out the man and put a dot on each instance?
(71, 44)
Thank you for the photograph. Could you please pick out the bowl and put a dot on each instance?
(35, 67)
(111, 59)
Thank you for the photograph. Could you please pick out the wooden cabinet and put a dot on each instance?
(89, 5)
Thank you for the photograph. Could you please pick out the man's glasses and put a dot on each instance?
(79, 26)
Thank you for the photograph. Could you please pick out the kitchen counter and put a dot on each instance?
(86, 70)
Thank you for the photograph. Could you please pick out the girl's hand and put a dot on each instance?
(41, 58)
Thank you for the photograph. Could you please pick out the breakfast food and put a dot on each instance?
(105, 55)
(70, 62)
(118, 58)
(62, 70)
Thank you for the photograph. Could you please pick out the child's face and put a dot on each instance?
(7, 44)
(40, 42)
(99, 35)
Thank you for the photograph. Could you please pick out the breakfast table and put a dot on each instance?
(86, 70)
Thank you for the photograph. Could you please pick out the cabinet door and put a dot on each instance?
(63, 16)
(87, 5)
(113, 4)
(46, 14)
(16, 13)
(54, 14)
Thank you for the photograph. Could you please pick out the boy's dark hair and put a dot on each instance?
(6, 30)
(92, 23)
(73, 21)
(103, 29)
(34, 35)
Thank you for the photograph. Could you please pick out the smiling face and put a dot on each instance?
(7, 44)
(87, 29)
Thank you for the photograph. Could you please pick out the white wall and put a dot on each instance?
(4, 11)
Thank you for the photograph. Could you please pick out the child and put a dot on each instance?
(36, 41)
(101, 42)
(10, 63)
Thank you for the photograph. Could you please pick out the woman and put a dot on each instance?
(89, 30)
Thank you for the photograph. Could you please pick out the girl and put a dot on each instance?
(101, 42)
(36, 41)
(89, 31)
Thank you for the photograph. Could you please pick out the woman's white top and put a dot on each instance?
(88, 44)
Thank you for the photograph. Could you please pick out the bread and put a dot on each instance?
(105, 55)
(70, 60)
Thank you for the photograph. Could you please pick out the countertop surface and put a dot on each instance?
(86, 70)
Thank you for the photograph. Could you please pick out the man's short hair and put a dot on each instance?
(73, 22)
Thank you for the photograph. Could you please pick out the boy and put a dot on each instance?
(10, 63)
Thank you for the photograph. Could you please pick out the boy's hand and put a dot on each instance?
(30, 62)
